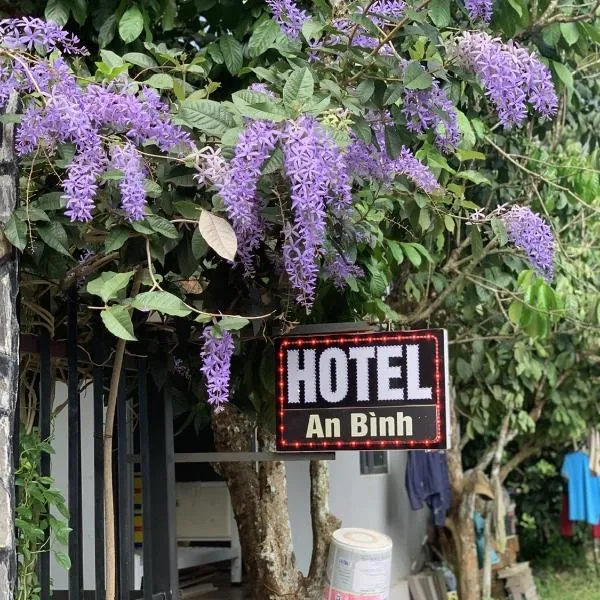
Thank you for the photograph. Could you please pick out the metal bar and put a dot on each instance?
(162, 483)
(74, 436)
(125, 496)
(98, 357)
(209, 457)
(45, 423)
(145, 443)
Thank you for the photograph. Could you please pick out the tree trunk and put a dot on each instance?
(9, 358)
(461, 522)
(260, 505)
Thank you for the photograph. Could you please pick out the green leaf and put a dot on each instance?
(162, 226)
(563, 73)
(500, 232)
(396, 251)
(115, 239)
(208, 116)
(140, 60)
(551, 34)
(15, 231)
(449, 223)
(392, 93)
(424, 219)
(233, 323)
(219, 234)
(569, 32)
(475, 177)
(364, 90)
(199, 245)
(111, 59)
(188, 209)
(160, 81)
(109, 284)
(516, 7)
(439, 12)
(416, 78)
(107, 32)
(412, 254)
(464, 155)
(57, 11)
(50, 201)
(163, 302)
(117, 320)
(79, 10)
(131, 24)
(264, 110)
(476, 242)
(54, 235)
(311, 30)
(515, 310)
(63, 560)
(31, 213)
(263, 37)
(231, 50)
(298, 88)
(468, 139)
(169, 15)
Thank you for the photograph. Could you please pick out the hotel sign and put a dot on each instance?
(362, 391)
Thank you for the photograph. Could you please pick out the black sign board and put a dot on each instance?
(362, 391)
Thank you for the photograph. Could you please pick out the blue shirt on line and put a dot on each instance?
(583, 488)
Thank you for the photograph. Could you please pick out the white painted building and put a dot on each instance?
(373, 501)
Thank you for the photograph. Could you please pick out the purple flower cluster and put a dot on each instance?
(211, 166)
(133, 194)
(238, 188)
(511, 76)
(216, 365)
(432, 109)
(530, 233)
(479, 10)
(31, 34)
(63, 112)
(261, 88)
(339, 268)
(380, 13)
(289, 17)
(319, 180)
(370, 161)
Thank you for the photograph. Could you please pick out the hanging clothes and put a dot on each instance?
(566, 525)
(479, 524)
(427, 482)
(594, 446)
(583, 488)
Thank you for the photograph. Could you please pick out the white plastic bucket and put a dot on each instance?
(359, 565)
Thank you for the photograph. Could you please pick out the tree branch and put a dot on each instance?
(522, 455)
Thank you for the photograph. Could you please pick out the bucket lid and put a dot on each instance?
(354, 538)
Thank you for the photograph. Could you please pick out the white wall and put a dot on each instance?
(376, 502)
(59, 470)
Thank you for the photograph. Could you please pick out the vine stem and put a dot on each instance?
(109, 501)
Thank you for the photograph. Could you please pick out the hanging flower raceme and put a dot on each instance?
(63, 112)
(338, 268)
(479, 10)
(371, 161)
(531, 234)
(239, 187)
(133, 194)
(432, 109)
(289, 17)
(216, 354)
(318, 180)
(511, 75)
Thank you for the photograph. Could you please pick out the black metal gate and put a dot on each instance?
(152, 441)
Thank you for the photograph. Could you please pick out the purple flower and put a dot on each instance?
(133, 194)
(262, 88)
(432, 109)
(319, 180)
(33, 34)
(211, 166)
(216, 365)
(239, 186)
(289, 17)
(339, 268)
(386, 10)
(531, 234)
(479, 10)
(370, 161)
(81, 183)
(511, 77)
